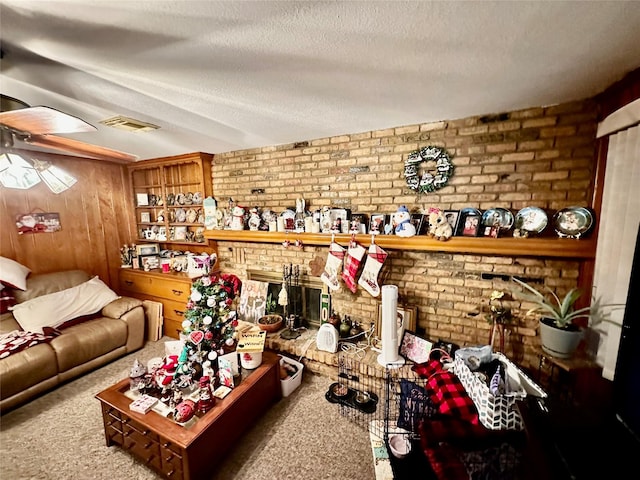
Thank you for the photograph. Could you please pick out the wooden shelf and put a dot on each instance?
(507, 246)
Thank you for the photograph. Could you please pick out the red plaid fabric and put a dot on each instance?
(377, 253)
(449, 394)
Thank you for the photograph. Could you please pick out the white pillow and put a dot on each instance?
(13, 274)
(54, 309)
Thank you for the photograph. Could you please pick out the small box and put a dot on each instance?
(498, 412)
(143, 404)
(292, 382)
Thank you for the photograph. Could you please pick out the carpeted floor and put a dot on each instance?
(60, 436)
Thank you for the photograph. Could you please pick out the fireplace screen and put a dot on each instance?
(304, 298)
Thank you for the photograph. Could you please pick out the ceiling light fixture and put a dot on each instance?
(16, 172)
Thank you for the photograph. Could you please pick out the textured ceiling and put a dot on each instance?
(220, 76)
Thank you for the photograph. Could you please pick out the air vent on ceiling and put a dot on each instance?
(129, 124)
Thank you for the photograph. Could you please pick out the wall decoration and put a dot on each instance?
(428, 179)
(38, 222)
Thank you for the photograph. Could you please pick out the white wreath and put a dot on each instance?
(429, 180)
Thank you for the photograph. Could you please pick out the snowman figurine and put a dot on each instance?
(237, 218)
(402, 223)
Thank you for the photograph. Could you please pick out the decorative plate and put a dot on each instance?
(531, 219)
(572, 222)
(192, 216)
(181, 215)
(197, 198)
(498, 217)
(180, 199)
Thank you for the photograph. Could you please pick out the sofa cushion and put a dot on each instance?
(87, 341)
(26, 369)
(44, 283)
(54, 309)
(13, 273)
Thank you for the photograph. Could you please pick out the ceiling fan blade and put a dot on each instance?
(44, 120)
(80, 148)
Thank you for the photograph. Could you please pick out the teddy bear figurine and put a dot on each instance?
(402, 223)
(439, 227)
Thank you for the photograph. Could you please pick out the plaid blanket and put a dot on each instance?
(19, 340)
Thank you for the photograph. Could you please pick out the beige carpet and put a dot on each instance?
(60, 436)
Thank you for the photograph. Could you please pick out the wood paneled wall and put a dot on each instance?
(94, 214)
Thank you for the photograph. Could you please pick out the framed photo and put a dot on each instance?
(415, 348)
(421, 223)
(376, 225)
(147, 249)
(452, 218)
(142, 199)
(406, 320)
(145, 217)
(490, 231)
(469, 225)
(253, 300)
(149, 262)
(358, 223)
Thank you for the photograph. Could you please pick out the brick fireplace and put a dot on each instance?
(540, 156)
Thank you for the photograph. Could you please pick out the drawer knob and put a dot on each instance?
(128, 282)
(178, 312)
(177, 292)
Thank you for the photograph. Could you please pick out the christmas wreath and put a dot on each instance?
(431, 178)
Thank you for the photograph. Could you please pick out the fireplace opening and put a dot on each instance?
(304, 298)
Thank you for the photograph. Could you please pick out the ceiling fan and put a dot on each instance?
(35, 125)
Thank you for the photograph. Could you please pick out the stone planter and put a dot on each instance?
(557, 342)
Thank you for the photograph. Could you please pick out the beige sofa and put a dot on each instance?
(117, 330)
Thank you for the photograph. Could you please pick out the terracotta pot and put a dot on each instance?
(270, 323)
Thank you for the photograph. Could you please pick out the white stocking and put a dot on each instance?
(333, 266)
(369, 278)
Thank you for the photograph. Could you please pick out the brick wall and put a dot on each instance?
(540, 156)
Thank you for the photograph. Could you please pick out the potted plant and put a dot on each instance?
(559, 335)
(271, 322)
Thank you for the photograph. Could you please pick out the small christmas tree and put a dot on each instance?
(209, 325)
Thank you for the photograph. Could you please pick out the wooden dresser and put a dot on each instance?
(193, 453)
(170, 289)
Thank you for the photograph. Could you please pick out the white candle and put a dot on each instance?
(308, 224)
(280, 224)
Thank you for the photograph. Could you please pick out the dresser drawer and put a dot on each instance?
(173, 310)
(172, 328)
(171, 287)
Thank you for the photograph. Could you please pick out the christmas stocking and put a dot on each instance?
(369, 278)
(351, 264)
(333, 266)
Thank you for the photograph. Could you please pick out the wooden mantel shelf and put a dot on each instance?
(507, 246)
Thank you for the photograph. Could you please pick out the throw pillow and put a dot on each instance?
(414, 405)
(54, 309)
(7, 298)
(13, 273)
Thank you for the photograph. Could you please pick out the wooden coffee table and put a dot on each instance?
(177, 452)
